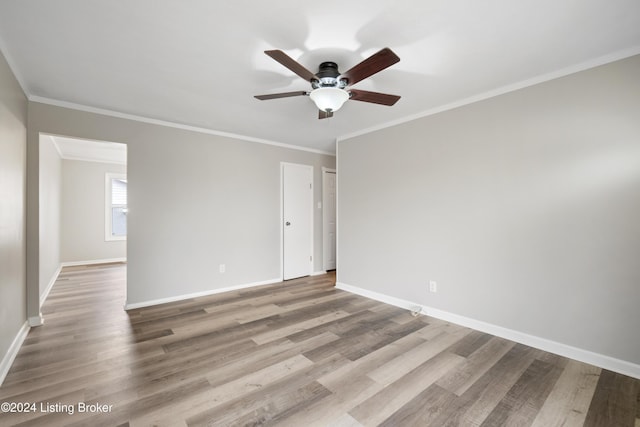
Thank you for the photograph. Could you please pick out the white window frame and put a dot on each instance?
(108, 235)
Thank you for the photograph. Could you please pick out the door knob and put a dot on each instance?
(287, 223)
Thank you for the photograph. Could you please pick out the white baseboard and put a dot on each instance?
(131, 306)
(54, 277)
(586, 356)
(92, 261)
(36, 320)
(12, 351)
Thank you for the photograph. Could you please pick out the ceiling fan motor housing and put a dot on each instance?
(328, 76)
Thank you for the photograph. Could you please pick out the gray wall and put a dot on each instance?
(13, 120)
(525, 208)
(195, 201)
(83, 210)
(50, 198)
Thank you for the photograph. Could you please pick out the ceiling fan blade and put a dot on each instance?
(280, 95)
(373, 97)
(373, 64)
(324, 114)
(291, 64)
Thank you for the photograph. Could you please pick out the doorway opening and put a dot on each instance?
(72, 200)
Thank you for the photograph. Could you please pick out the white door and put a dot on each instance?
(329, 219)
(297, 220)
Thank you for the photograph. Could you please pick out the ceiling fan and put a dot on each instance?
(331, 88)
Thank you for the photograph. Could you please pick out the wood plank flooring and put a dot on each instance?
(298, 353)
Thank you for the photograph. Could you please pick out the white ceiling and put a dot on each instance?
(199, 62)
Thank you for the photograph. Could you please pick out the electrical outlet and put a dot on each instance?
(223, 268)
(433, 286)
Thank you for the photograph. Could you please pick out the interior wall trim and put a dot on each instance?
(12, 351)
(586, 356)
(117, 114)
(92, 261)
(34, 321)
(583, 66)
(131, 306)
(54, 277)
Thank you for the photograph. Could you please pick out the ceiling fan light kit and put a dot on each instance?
(329, 99)
(330, 86)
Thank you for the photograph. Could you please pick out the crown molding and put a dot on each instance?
(583, 66)
(602, 60)
(158, 122)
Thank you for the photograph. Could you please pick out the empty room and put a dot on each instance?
(369, 213)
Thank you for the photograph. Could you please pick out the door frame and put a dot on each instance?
(282, 219)
(324, 217)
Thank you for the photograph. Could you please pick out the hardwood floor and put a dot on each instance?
(298, 353)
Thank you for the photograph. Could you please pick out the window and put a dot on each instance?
(115, 207)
